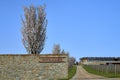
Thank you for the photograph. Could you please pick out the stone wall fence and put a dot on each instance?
(33, 67)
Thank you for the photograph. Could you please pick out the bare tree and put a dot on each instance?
(63, 52)
(56, 49)
(34, 29)
(71, 62)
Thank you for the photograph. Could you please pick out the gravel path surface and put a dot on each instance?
(81, 74)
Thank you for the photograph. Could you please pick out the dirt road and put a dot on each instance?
(81, 74)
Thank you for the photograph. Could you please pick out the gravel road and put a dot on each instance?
(81, 74)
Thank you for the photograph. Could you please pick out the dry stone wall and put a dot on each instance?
(33, 67)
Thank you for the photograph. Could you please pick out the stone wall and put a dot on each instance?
(33, 67)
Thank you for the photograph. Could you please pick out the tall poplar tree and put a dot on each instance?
(34, 29)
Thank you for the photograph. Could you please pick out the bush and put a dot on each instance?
(71, 62)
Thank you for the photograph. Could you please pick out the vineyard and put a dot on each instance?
(104, 70)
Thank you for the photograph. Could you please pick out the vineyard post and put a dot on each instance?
(115, 69)
(102, 68)
(107, 69)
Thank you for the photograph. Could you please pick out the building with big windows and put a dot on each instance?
(99, 60)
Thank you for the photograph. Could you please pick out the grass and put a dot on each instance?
(71, 72)
(109, 75)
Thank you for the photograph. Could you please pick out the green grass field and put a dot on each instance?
(109, 75)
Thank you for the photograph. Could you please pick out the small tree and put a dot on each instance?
(34, 29)
(71, 62)
(63, 52)
(56, 49)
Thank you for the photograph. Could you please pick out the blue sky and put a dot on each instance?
(81, 27)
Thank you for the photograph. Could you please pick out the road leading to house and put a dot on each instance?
(82, 74)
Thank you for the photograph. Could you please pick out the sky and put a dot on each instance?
(84, 28)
